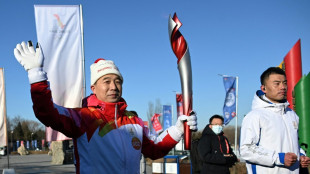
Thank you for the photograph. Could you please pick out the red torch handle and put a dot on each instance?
(187, 136)
(187, 131)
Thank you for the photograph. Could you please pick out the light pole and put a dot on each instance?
(12, 140)
(31, 141)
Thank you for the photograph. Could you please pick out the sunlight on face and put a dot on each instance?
(275, 88)
(108, 88)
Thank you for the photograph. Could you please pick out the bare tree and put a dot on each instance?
(18, 132)
(16, 120)
(9, 124)
(25, 129)
(34, 126)
(159, 110)
(230, 133)
(150, 111)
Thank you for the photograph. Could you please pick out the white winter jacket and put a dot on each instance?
(269, 131)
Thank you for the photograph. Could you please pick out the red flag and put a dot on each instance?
(293, 70)
(156, 124)
(179, 99)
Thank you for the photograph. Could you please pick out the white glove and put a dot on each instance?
(31, 60)
(27, 56)
(191, 122)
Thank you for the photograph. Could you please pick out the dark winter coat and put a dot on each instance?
(211, 149)
(195, 159)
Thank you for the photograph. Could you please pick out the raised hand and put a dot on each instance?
(32, 60)
(27, 56)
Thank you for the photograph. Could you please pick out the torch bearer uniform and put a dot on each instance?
(107, 138)
(269, 131)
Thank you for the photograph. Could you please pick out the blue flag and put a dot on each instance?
(229, 109)
(167, 116)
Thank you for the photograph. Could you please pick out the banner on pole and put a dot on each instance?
(229, 109)
(3, 126)
(302, 103)
(43, 144)
(35, 144)
(292, 66)
(156, 124)
(59, 32)
(179, 99)
(167, 116)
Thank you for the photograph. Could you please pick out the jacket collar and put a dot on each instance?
(108, 109)
(261, 101)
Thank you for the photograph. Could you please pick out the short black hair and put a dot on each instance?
(216, 116)
(272, 70)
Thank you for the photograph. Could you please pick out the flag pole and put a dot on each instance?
(83, 53)
(236, 126)
(171, 123)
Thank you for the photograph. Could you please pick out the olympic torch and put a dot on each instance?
(180, 49)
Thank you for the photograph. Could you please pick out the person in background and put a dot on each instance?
(107, 137)
(214, 148)
(196, 163)
(269, 132)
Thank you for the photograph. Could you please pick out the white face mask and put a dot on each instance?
(217, 129)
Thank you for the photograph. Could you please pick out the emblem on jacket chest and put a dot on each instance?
(135, 142)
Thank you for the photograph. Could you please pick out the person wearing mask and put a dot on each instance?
(269, 132)
(107, 137)
(214, 149)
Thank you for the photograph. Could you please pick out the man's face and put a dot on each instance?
(216, 121)
(275, 88)
(108, 88)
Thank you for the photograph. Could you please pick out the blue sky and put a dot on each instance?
(237, 38)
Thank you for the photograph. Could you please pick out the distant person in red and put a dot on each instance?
(107, 137)
(214, 149)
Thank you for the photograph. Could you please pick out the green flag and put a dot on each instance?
(302, 105)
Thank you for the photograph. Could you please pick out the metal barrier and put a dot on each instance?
(171, 157)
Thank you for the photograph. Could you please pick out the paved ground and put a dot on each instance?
(36, 164)
(40, 163)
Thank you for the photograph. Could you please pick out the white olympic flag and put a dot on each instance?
(3, 128)
(59, 32)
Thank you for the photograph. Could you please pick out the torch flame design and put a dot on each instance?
(180, 49)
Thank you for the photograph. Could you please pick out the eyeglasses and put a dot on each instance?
(218, 124)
